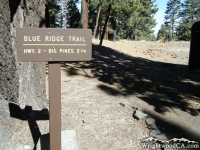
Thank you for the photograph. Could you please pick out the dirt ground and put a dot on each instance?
(98, 96)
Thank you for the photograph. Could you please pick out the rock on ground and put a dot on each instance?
(20, 82)
(68, 141)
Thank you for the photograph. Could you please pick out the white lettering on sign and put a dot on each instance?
(81, 50)
(39, 50)
(53, 44)
(52, 51)
(76, 39)
(29, 51)
(54, 38)
(32, 38)
(66, 50)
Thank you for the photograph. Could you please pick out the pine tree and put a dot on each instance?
(84, 14)
(92, 14)
(147, 21)
(162, 33)
(189, 15)
(140, 20)
(98, 12)
(73, 15)
(191, 10)
(53, 13)
(172, 16)
(97, 17)
(132, 19)
(184, 30)
(63, 13)
(116, 16)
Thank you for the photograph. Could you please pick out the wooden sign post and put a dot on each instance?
(55, 106)
(54, 45)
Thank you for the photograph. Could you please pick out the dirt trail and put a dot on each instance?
(98, 96)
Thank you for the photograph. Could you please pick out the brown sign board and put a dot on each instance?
(54, 44)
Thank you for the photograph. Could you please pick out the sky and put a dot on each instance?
(159, 16)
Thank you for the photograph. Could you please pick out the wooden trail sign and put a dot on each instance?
(54, 45)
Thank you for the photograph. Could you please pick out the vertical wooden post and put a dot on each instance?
(55, 105)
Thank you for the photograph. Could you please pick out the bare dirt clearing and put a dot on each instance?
(98, 96)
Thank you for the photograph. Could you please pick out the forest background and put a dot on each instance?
(128, 19)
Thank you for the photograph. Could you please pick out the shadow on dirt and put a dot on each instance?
(162, 85)
(32, 116)
(172, 130)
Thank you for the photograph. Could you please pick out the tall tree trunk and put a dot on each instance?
(47, 17)
(97, 22)
(172, 36)
(136, 37)
(84, 14)
(104, 28)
